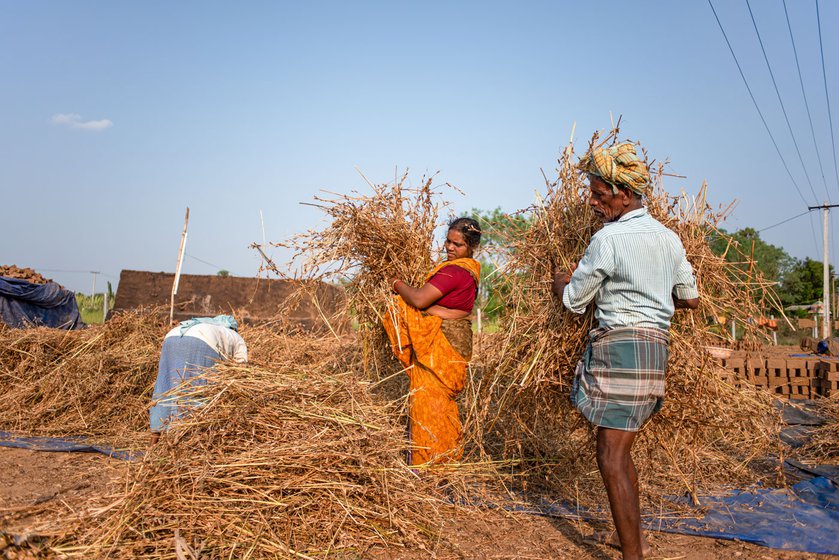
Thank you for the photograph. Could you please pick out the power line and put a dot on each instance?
(754, 101)
(813, 230)
(778, 93)
(217, 267)
(826, 95)
(806, 104)
(784, 221)
(74, 271)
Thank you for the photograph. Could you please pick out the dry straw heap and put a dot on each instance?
(823, 441)
(707, 432)
(94, 382)
(291, 455)
(518, 409)
(295, 459)
(369, 238)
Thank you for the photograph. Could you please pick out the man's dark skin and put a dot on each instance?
(613, 446)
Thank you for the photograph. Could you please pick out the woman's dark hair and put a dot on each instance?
(469, 228)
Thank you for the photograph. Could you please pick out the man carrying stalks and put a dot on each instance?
(636, 271)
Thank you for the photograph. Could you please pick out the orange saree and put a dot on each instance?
(435, 353)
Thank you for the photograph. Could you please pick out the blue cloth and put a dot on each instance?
(181, 360)
(24, 304)
(220, 320)
(632, 268)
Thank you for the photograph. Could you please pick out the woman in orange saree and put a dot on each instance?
(431, 334)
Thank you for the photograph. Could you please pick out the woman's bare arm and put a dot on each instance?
(422, 298)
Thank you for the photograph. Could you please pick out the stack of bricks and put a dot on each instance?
(793, 378)
(827, 379)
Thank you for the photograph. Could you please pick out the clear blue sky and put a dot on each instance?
(117, 115)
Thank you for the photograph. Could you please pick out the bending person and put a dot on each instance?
(431, 334)
(189, 350)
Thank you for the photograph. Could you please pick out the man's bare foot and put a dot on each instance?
(610, 538)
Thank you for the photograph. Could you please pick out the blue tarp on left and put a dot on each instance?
(24, 304)
(69, 444)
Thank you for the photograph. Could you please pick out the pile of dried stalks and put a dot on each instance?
(94, 382)
(707, 432)
(292, 454)
(298, 460)
(98, 381)
(370, 237)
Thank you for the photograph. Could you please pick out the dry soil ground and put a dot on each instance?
(34, 485)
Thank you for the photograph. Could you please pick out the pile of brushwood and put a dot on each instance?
(94, 382)
(292, 454)
(289, 456)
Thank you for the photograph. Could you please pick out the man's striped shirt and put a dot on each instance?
(632, 268)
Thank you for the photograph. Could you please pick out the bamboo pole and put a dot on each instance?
(178, 269)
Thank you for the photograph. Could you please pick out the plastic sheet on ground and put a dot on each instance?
(804, 471)
(803, 518)
(800, 418)
(73, 444)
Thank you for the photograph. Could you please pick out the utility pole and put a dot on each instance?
(826, 326)
(93, 291)
(826, 330)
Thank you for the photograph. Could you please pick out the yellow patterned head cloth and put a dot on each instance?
(619, 166)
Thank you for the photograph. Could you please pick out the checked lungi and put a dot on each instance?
(619, 381)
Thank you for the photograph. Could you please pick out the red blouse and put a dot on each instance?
(458, 287)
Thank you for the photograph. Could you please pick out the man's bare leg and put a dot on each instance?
(621, 480)
(155, 437)
(646, 549)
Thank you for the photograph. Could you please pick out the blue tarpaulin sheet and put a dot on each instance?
(77, 444)
(803, 518)
(24, 304)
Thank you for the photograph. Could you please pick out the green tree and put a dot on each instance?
(497, 229)
(804, 283)
(745, 245)
(223, 273)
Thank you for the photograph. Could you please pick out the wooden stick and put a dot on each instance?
(178, 269)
